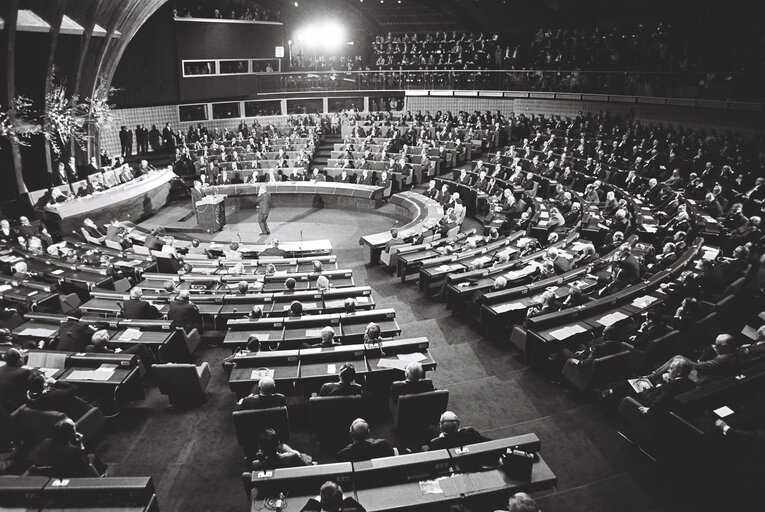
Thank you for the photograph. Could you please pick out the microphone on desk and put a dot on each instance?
(120, 306)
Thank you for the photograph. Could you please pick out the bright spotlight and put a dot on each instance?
(299, 36)
(333, 35)
(328, 35)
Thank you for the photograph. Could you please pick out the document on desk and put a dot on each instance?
(48, 372)
(57, 271)
(612, 318)
(331, 369)
(260, 373)
(431, 487)
(362, 300)
(483, 481)
(414, 356)
(567, 332)
(513, 306)
(89, 375)
(397, 364)
(40, 332)
(644, 301)
(130, 334)
(313, 333)
(5, 288)
(107, 367)
(454, 485)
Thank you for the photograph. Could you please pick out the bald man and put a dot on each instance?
(362, 447)
(184, 312)
(264, 399)
(414, 382)
(452, 435)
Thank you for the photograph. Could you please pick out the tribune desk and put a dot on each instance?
(129, 201)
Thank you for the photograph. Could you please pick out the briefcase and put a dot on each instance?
(517, 463)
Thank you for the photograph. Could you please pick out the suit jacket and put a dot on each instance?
(62, 398)
(254, 402)
(630, 269)
(464, 436)
(74, 336)
(264, 201)
(340, 389)
(365, 450)
(196, 195)
(402, 387)
(656, 398)
(349, 505)
(274, 251)
(185, 314)
(13, 385)
(66, 460)
(138, 309)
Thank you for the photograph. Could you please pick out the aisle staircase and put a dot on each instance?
(324, 150)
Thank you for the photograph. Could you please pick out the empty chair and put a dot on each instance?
(331, 415)
(413, 412)
(69, 303)
(180, 347)
(602, 371)
(122, 285)
(184, 384)
(251, 423)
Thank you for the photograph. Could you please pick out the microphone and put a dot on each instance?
(300, 248)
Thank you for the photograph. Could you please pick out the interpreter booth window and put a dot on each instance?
(265, 65)
(305, 106)
(198, 67)
(340, 104)
(234, 67)
(385, 103)
(192, 112)
(225, 110)
(262, 108)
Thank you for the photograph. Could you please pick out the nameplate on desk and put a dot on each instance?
(331, 369)
(265, 474)
(59, 483)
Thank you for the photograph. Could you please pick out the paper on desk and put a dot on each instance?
(644, 301)
(260, 373)
(454, 485)
(414, 356)
(130, 334)
(750, 332)
(513, 306)
(106, 367)
(649, 228)
(362, 299)
(313, 333)
(431, 487)
(57, 271)
(89, 375)
(37, 332)
(612, 318)
(331, 369)
(5, 288)
(397, 364)
(578, 246)
(482, 260)
(49, 372)
(567, 332)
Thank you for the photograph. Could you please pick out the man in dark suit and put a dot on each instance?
(126, 141)
(627, 265)
(274, 250)
(196, 194)
(93, 167)
(152, 241)
(264, 202)
(51, 395)
(13, 380)
(264, 399)
(184, 312)
(74, 336)
(61, 177)
(452, 435)
(330, 499)
(63, 454)
(361, 446)
(137, 309)
(345, 386)
(413, 383)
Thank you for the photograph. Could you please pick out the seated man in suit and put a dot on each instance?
(137, 309)
(184, 312)
(414, 382)
(362, 447)
(51, 395)
(521, 502)
(264, 399)
(327, 339)
(13, 380)
(63, 454)
(608, 345)
(330, 499)
(74, 336)
(394, 240)
(274, 454)
(100, 345)
(452, 435)
(274, 250)
(152, 241)
(345, 386)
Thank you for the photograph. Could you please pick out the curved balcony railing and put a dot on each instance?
(708, 86)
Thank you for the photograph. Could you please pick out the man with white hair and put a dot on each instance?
(265, 398)
(362, 447)
(184, 312)
(263, 201)
(138, 309)
(274, 250)
(452, 435)
(414, 382)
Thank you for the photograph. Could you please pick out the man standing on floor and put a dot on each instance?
(264, 201)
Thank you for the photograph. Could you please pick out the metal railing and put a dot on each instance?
(709, 86)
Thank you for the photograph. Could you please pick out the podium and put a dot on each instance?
(211, 213)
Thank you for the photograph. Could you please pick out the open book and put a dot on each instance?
(640, 384)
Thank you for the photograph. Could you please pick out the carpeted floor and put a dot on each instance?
(196, 463)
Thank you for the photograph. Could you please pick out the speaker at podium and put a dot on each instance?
(211, 213)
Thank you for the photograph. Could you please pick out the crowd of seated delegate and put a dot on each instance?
(433, 51)
(252, 11)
